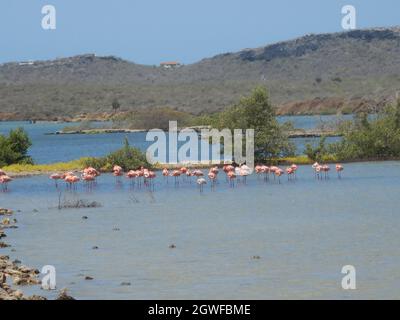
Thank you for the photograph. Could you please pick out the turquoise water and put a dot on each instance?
(60, 148)
(304, 231)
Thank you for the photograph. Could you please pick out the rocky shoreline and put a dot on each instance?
(19, 275)
(12, 273)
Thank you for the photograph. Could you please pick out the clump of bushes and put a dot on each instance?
(14, 148)
(151, 118)
(127, 157)
(256, 112)
(321, 152)
(364, 139)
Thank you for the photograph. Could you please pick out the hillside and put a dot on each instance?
(313, 74)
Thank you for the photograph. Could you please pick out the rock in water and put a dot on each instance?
(63, 295)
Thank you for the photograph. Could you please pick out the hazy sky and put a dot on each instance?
(150, 31)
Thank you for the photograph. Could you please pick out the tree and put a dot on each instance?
(115, 105)
(14, 148)
(256, 112)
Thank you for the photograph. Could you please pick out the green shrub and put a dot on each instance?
(364, 139)
(127, 157)
(14, 148)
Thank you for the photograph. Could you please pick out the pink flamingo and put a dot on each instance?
(56, 177)
(140, 175)
(339, 169)
(214, 170)
(294, 168)
(265, 170)
(71, 180)
(212, 176)
(258, 170)
(4, 181)
(316, 172)
(131, 174)
(176, 174)
(165, 174)
(290, 172)
(325, 169)
(228, 168)
(278, 172)
(89, 179)
(198, 173)
(118, 173)
(148, 176)
(183, 170)
(231, 176)
(273, 170)
(244, 171)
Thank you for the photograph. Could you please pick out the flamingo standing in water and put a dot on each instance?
(198, 173)
(176, 174)
(201, 182)
(189, 175)
(91, 172)
(317, 168)
(213, 177)
(117, 171)
(294, 168)
(56, 177)
(4, 181)
(148, 176)
(165, 174)
(215, 171)
(89, 179)
(140, 175)
(265, 170)
(183, 171)
(325, 169)
(231, 176)
(278, 172)
(71, 180)
(244, 171)
(273, 170)
(228, 168)
(339, 169)
(131, 175)
(258, 170)
(290, 173)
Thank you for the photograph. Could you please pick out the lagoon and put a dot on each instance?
(303, 232)
(62, 148)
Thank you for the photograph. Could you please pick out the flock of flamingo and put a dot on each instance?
(146, 177)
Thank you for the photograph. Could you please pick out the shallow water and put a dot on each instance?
(60, 148)
(304, 232)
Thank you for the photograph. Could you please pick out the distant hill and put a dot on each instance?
(345, 71)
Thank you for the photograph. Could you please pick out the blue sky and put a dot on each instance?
(151, 31)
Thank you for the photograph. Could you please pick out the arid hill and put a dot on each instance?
(313, 74)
